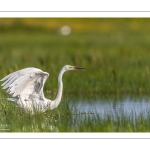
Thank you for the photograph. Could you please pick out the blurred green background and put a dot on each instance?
(114, 51)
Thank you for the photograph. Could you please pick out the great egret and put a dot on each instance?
(26, 88)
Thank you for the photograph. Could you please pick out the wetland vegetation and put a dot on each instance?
(115, 53)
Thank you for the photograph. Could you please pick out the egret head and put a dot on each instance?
(68, 67)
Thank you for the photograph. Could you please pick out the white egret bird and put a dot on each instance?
(26, 88)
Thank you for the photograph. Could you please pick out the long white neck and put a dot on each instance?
(57, 100)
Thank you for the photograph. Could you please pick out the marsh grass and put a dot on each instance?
(114, 122)
(69, 119)
(115, 53)
(108, 68)
(21, 121)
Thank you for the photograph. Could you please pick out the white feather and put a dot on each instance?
(26, 88)
(24, 83)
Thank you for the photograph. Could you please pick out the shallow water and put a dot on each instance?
(108, 105)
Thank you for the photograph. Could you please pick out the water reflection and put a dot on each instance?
(107, 105)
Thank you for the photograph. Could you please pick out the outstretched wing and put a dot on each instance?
(25, 82)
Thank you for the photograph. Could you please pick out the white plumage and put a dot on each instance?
(26, 88)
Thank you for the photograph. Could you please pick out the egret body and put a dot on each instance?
(26, 88)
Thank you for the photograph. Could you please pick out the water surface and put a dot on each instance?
(108, 105)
